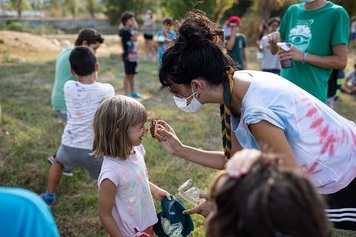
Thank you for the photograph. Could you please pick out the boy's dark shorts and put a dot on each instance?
(130, 67)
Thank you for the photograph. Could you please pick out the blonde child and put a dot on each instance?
(126, 206)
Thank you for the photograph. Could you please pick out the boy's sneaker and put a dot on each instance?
(51, 161)
(48, 201)
(135, 95)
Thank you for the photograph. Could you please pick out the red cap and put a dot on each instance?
(234, 20)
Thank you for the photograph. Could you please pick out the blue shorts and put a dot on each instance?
(353, 36)
(71, 158)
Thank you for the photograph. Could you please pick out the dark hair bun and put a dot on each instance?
(197, 30)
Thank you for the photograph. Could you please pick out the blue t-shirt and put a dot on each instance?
(25, 214)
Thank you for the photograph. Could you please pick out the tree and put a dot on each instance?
(265, 7)
(91, 6)
(213, 8)
(72, 6)
(114, 8)
(20, 5)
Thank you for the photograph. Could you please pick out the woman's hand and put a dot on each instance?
(168, 137)
(203, 208)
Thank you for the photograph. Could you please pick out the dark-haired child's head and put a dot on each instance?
(88, 36)
(167, 21)
(267, 202)
(82, 61)
(126, 17)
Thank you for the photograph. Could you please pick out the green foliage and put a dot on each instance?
(114, 8)
(20, 5)
(91, 6)
(14, 25)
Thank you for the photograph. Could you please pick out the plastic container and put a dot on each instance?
(286, 63)
(190, 193)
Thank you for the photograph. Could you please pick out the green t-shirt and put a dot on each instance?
(62, 75)
(237, 51)
(313, 32)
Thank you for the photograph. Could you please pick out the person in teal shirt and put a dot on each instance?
(87, 37)
(25, 214)
(236, 43)
(319, 31)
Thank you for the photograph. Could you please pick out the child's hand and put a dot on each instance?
(241, 162)
(160, 193)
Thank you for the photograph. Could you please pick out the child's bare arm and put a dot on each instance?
(159, 193)
(107, 194)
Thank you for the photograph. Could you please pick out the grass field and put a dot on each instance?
(30, 131)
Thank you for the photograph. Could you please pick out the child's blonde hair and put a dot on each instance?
(113, 118)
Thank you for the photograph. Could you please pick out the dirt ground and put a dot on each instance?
(15, 45)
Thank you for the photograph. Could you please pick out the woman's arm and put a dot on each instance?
(107, 195)
(170, 141)
(274, 139)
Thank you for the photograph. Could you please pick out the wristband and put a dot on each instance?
(305, 55)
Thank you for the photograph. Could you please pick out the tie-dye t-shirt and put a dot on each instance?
(323, 142)
(133, 208)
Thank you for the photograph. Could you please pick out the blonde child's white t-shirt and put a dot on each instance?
(133, 210)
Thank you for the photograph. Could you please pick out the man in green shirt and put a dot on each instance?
(319, 31)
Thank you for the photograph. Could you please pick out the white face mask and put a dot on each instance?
(194, 105)
(307, 1)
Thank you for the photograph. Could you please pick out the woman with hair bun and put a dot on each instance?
(258, 109)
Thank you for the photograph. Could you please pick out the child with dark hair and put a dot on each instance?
(164, 37)
(126, 206)
(82, 98)
(268, 201)
(88, 37)
(128, 34)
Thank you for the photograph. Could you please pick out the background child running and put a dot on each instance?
(82, 98)
(126, 206)
(267, 201)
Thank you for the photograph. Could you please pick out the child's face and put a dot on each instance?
(136, 133)
(130, 22)
(166, 27)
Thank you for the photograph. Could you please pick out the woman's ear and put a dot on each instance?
(197, 85)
